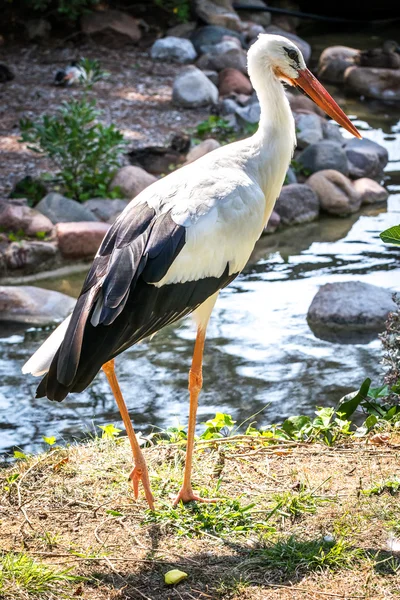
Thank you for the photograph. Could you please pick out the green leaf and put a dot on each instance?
(20, 455)
(371, 421)
(294, 425)
(349, 403)
(391, 235)
(49, 440)
(109, 431)
(114, 513)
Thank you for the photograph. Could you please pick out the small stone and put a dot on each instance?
(63, 210)
(331, 132)
(334, 61)
(217, 12)
(308, 129)
(340, 310)
(202, 149)
(132, 180)
(33, 305)
(231, 80)
(324, 155)
(182, 30)
(173, 49)
(336, 193)
(297, 203)
(192, 89)
(249, 114)
(228, 107)
(260, 17)
(30, 256)
(366, 158)
(118, 21)
(80, 240)
(211, 35)
(105, 209)
(382, 84)
(370, 191)
(14, 218)
(212, 76)
(273, 223)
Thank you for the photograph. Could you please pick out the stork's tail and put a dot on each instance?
(40, 362)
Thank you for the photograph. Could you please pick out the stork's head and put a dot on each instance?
(276, 55)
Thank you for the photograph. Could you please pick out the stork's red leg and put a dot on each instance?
(139, 472)
(186, 493)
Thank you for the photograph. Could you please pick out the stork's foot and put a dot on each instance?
(140, 473)
(186, 494)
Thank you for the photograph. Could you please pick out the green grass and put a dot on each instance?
(22, 577)
(294, 504)
(226, 517)
(390, 485)
(291, 555)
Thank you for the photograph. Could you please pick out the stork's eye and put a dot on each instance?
(292, 54)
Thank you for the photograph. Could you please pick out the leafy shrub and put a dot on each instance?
(91, 72)
(179, 8)
(71, 9)
(32, 189)
(85, 152)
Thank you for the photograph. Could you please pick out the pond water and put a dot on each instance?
(260, 351)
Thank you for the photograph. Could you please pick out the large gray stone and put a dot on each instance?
(227, 56)
(192, 89)
(218, 12)
(324, 155)
(30, 256)
(15, 218)
(132, 180)
(366, 158)
(249, 114)
(334, 61)
(297, 203)
(382, 84)
(336, 193)
(33, 305)
(261, 18)
(105, 209)
(63, 210)
(173, 49)
(308, 129)
(212, 34)
(345, 311)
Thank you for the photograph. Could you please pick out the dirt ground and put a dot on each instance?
(293, 521)
(136, 97)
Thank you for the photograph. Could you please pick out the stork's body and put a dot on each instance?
(176, 245)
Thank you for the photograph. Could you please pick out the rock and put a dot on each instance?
(345, 311)
(228, 107)
(290, 176)
(253, 30)
(173, 49)
(192, 89)
(303, 46)
(249, 114)
(31, 256)
(80, 240)
(232, 80)
(370, 191)
(229, 57)
(105, 209)
(324, 155)
(333, 62)
(261, 18)
(218, 12)
(303, 104)
(118, 21)
(63, 210)
(331, 132)
(202, 149)
(33, 305)
(210, 35)
(14, 218)
(182, 30)
(132, 180)
(212, 76)
(297, 203)
(366, 158)
(273, 223)
(308, 129)
(37, 29)
(382, 84)
(335, 192)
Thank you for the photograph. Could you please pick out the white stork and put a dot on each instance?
(177, 244)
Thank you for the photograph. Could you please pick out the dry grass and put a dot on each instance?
(72, 508)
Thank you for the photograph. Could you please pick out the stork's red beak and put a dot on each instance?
(318, 93)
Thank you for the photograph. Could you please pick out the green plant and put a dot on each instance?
(71, 9)
(392, 486)
(179, 8)
(23, 577)
(220, 426)
(391, 235)
(110, 432)
(30, 188)
(91, 72)
(217, 127)
(295, 503)
(85, 151)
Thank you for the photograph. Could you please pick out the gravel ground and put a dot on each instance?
(136, 97)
